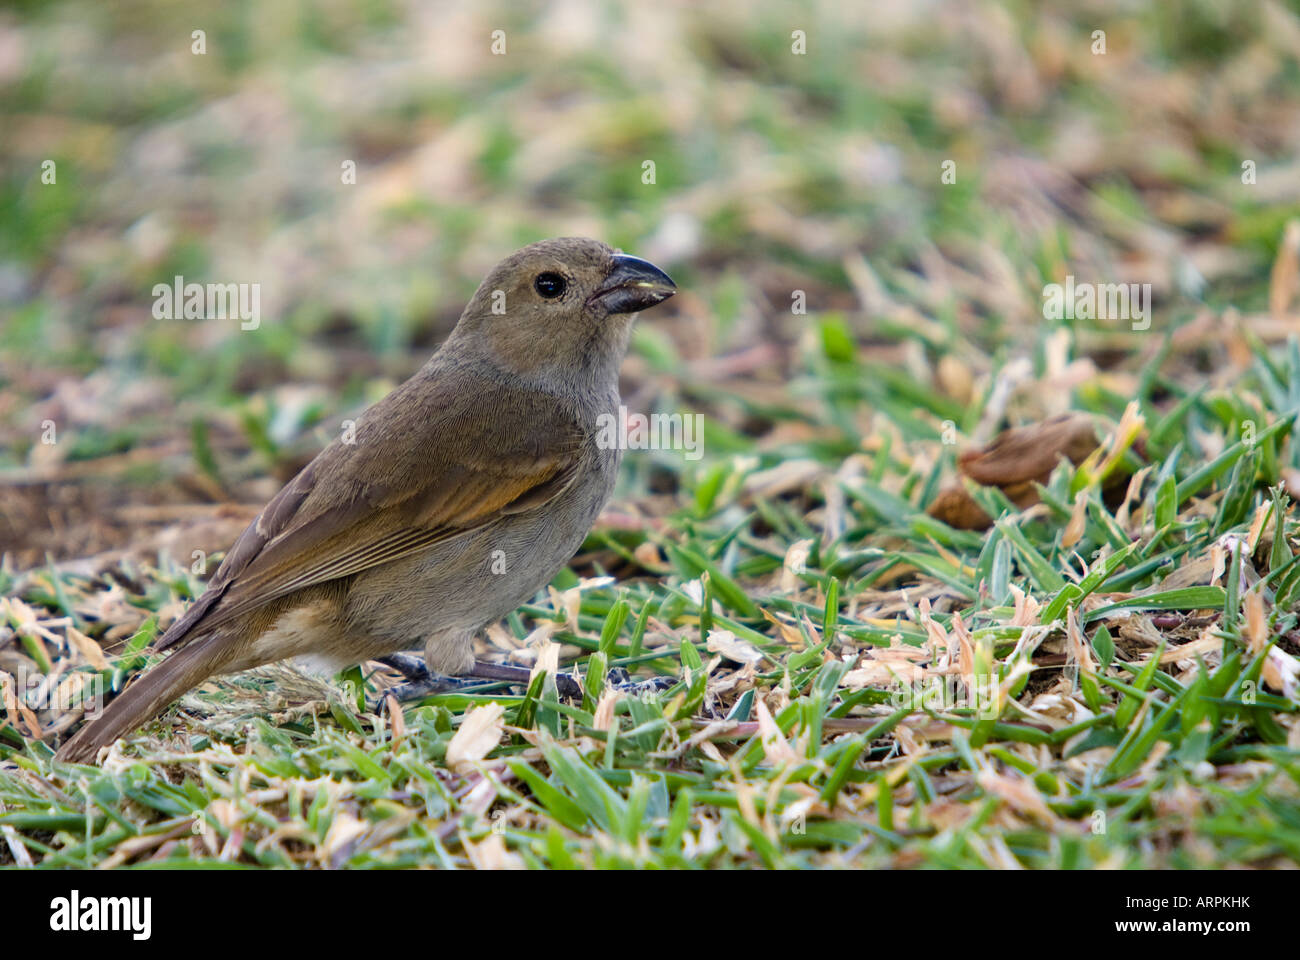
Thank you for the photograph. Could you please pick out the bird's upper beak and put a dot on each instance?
(632, 284)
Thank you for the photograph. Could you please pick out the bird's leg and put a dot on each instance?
(422, 682)
(410, 666)
(565, 685)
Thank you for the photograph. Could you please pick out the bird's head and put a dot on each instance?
(561, 307)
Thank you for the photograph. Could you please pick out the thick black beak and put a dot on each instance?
(632, 284)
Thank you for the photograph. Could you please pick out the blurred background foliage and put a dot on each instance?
(774, 172)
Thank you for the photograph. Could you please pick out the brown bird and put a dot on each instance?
(460, 495)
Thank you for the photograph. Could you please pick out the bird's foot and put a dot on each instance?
(407, 664)
(620, 680)
(565, 685)
(421, 682)
(426, 686)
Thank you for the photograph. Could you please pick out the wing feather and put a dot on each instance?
(396, 491)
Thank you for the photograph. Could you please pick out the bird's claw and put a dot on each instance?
(414, 690)
(620, 680)
(421, 682)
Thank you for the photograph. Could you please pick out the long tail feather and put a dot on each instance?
(142, 700)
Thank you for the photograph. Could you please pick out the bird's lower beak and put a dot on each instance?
(632, 284)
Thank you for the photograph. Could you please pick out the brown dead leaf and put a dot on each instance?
(1015, 460)
(1024, 454)
(87, 647)
(957, 508)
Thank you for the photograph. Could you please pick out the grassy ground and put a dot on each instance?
(864, 673)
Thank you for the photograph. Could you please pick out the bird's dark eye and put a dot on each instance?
(549, 285)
